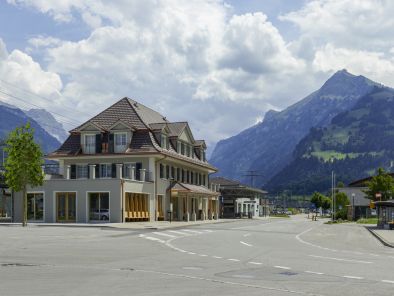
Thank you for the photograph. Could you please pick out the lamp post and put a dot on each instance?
(353, 207)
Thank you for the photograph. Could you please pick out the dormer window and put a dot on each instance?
(164, 141)
(89, 146)
(120, 142)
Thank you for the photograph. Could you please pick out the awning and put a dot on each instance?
(195, 189)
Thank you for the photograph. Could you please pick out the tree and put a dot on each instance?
(23, 163)
(317, 199)
(341, 201)
(326, 203)
(382, 183)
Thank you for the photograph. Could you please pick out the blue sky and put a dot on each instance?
(219, 65)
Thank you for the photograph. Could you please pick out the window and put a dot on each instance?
(35, 206)
(120, 142)
(98, 206)
(106, 170)
(178, 174)
(164, 141)
(82, 171)
(172, 172)
(161, 171)
(182, 148)
(183, 176)
(90, 144)
(167, 172)
(187, 177)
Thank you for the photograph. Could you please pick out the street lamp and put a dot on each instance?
(353, 207)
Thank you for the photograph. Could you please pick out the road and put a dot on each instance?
(248, 257)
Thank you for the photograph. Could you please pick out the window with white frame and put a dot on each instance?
(90, 144)
(105, 170)
(120, 142)
(164, 141)
(82, 171)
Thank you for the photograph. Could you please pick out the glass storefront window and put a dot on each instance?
(99, 206)
(5, 205)
(35, 206)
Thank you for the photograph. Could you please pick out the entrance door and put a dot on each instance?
(66, 206)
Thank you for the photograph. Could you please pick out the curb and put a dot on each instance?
(110, 227)
(378, 237)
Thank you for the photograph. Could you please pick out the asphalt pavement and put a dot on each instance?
(246, 257)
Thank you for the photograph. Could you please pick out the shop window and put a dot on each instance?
(35, 206)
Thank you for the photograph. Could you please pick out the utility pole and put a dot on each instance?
(252, 174)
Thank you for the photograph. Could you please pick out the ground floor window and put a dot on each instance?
(98, 206)
(159, 208)
(5, 205)
(35, 206)
(66, 206)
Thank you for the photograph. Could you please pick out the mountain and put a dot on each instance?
(268, 146)
(354, 145)
(49, 123)
(11, 117)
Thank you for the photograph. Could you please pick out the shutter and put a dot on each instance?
(138, 166)
(73, 174)
(97, 169)
(113, 170)
(111, 143)
(98, 143)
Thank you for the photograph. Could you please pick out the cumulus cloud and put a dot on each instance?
(375, 65)
(178, 57)
(18, 68)
(362, 24)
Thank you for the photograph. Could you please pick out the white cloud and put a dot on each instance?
(374, 65)
(185, 58)
(362, 24)
(21, 70)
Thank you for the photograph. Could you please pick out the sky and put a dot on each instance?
(220, 65)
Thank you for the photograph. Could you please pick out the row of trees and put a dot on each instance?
(325, 203)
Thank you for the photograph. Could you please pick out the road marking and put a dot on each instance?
(353, 277)
(208, 230)
(217, 257)
(192, 231)
(154, 239)
(246, 244)
(314, 272)
(375, 255)
(247, 234)
(341, 259)
(164, 234)
(178, 232)
(235, 260)
(191, 253)
(203, 255)
(282, 267)
(255, 263)
(387, 282)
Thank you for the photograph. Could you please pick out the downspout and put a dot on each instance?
(123, 197)
(155, 191)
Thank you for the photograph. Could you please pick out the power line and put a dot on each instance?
(252, 174)
(43, 98)
(71, 121)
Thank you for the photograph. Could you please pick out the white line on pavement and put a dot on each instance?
(155, 239)
(387, 281)
(164, 234)
(203, 255)
(246, 244)
(217, 257)
(178, 232)
(314, 272)
(192, 231)
(341, 259)
(282, 267)
(235, 260)
(208, 230)
(191, 253)
(353, 277)
(246, 234)
(255, 263)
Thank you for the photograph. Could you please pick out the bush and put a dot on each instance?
(341, 214)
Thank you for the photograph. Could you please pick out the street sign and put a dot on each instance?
(372, 205)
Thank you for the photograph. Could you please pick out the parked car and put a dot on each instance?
(102, 214)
